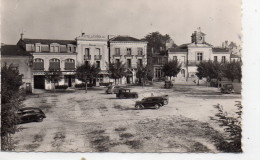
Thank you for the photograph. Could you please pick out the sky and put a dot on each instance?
(220, 20)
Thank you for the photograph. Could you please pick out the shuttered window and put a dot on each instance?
(69, 64)
(38, 64)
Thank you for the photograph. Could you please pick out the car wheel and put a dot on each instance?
(165, 102)
(40, 119)
(138, 107)
(156, 106)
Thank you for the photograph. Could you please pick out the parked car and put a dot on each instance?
(113, 89)
(30, 114)
(227, 88)
(168, 84)
(126, 93)
(149, 102)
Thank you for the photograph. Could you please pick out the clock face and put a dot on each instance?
(200, 38)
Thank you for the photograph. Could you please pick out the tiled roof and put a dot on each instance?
(13, 50)
(48, 41)
(220, 50)
(125, 39)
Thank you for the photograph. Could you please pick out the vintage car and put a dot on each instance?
(126, 93)
(155, 102)
(113, 89)
(227, 88)
(168, 84)
(30, 114)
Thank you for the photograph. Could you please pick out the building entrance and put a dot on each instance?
(39, 82)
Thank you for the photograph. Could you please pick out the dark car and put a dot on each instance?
(126, 93)
(227, 88)
(30, 115)
(113, 89)
(168, 84)
(155, 102)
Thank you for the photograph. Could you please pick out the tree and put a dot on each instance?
(172, 68)
(87, 71)
(209, 69)
(117, 70)
(157, 41)
(232, 70)
(53, 76)
(232, 126)
(11, 97)
(142, 74)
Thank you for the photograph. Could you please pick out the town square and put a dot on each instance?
(122, 88)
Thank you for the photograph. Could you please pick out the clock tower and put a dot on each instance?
(198, 37)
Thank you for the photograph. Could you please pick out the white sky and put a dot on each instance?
(66, 19)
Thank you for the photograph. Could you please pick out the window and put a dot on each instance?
(38, 64)
(98, 64)
(87, 51)
(183, 73)
(117, 51)
(158, 73)
(140, 51)
(97, 51)
(52, 48)
(117, 61)
(56, 49)
(215, 58)
(223, 59)
(54, 64)
(129, 63)
(199, 56)
(69, 64)
(174, 58)
(140, 62)
(38, 48)
(128, 51)
(70, 49)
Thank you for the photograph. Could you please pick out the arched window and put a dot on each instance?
(69, 64)
(38, 64)
(54, 64)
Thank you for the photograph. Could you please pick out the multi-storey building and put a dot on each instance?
(155, 61)
(51, 55)
(193, 53)
(130, 51)
(20, 60)
(93, 49)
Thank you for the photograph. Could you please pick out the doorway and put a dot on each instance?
(39, 82)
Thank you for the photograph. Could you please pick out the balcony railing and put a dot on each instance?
(193, 63)
(87, 57)
(97, 57)
(129, 55)
(140, 55)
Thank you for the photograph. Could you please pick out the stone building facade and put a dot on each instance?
(130, 51)
(51, 55)
(193, 53)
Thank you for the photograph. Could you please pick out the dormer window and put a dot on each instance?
(38, 49)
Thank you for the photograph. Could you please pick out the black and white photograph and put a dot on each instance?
(121, 76)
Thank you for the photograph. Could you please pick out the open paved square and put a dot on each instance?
(99, 122)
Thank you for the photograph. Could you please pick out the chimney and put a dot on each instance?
(82, 34)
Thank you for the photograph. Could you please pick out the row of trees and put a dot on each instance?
(216, 70)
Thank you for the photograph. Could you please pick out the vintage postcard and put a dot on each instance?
(121, 76)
